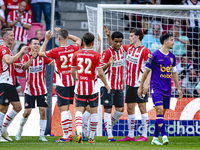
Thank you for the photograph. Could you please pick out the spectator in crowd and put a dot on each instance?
(183, 67)
(152, 41)
(38, 6)
(193, 24)
(198, 88)
(1, 40)
(20, 21)
(189, 83)
(171, 2)
(39, 34)
(180, 42)
(14, 5)
(2, 9)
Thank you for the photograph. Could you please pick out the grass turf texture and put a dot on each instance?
(175, 143)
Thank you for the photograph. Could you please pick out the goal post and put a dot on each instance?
(112, 16)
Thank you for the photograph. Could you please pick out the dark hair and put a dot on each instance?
(117, 35)
(138, 32)
(63, 33)
(88, 38)
(30, 41)
(20, 46)
(165, 37)
(4, 31)
(23, 1)
(82, 43)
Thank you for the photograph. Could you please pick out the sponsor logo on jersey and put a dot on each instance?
(132, 59)
(117, 63)
(35, 69)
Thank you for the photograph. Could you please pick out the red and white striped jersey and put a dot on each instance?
(13, 5)
(114, 73)
(35, 75)
(135, 58)
(86, 61)
(19, 32)
(63, 58)
(7, 74)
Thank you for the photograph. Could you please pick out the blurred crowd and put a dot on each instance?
(186, 40)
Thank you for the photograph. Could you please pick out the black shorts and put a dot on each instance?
(30, 101)
(65, 95)
(115, 97)
(8, 93)
(132, 96)
(83, 100)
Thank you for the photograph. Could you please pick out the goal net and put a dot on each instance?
(182, 119)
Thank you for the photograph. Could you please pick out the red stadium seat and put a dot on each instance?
(34, 27)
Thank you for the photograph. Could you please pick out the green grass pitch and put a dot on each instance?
(29, 143)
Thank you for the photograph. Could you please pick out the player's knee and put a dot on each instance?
(43, 113)
(17, 108)
(159, 111)
(120, 109)
(143, 108)
(130, 110)
(107, 110)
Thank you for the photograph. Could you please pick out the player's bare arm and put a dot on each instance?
(146, 84)
(107, 32)
(75, 39)
(111, 60)
(103, 78)
(144, 77)
(99, 45)
(48, 36)
(73, 73)
(18, 65)
(11, 59)
(176, 81)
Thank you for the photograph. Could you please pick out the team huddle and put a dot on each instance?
(77, 72)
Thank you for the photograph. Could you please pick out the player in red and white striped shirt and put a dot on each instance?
(8, 92)
(84, 65)
(20, 21)
(136, 57)
(113, 65)
(64, 81)
(35, 88)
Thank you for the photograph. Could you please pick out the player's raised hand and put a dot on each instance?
(180, 94)
(99, 39)
(48, 35)
(107, 32)
(24, 48)
(57, 29)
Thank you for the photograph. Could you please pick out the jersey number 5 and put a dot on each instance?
(65, 60)
(88, 62)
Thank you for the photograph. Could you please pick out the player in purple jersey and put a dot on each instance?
(163, 65)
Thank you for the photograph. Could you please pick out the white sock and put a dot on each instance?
(22, 123)
(115, 117)
(85, 118)
(43, 124)
(64, 123)
(78, 121)
(2, 115)
(93, 125)
(107, 122)
(9, 118)
(145, 121)
(70, 123)
(131, 125)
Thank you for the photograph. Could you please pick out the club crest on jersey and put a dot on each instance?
(4, 51)
(172, 60)
(26, 104)
(40, 61)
